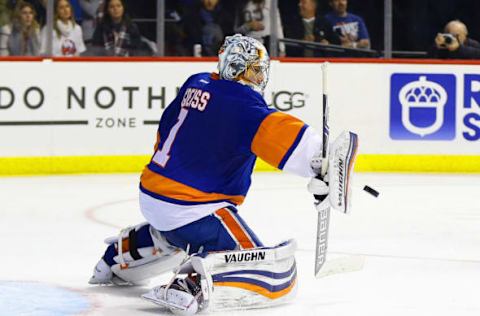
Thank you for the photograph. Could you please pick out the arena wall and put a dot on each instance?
(84, 116)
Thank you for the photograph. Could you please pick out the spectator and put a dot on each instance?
(455, 43)
(146, 13)
(308, 25)
(351, 28)
(116, 34)
(253, 19)
(207, 24)
(90, 10)
(24, 32)
(5, 27)
(40, 8)
(77, 10)
(174, 31)
(67, 34)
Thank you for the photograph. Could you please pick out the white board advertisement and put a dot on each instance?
(112, 108)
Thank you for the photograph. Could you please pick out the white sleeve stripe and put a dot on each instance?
(299, 161)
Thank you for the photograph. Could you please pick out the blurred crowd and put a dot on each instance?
(80, 27)
(305, 28)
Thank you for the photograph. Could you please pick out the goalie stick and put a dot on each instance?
(323, 220)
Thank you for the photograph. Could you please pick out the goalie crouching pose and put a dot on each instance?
(207, 142)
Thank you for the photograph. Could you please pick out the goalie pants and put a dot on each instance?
(222, 230)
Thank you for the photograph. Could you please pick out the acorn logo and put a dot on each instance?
(423, 94)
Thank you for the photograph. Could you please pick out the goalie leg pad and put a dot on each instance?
(140, 253)
(340, 168)
(249, 279)
(243, 279)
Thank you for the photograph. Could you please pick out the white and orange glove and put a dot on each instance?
(332, 186)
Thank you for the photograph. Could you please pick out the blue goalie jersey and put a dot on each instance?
(207, 143)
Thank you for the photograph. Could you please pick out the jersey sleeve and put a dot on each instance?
(362, 29)
(286, 143)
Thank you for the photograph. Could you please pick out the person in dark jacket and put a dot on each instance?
(308, 25)
(207, 24)
(454, 43)
(116, 34)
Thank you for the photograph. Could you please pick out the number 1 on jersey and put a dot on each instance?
(162, 156)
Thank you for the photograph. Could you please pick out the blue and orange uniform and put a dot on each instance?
(208, 140)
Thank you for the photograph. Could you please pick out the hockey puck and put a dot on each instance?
(370, 190)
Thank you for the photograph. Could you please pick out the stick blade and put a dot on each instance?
(339, 264)
(318, 267)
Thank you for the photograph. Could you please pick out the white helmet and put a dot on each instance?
(240, 54)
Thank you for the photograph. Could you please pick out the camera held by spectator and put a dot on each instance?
(455, 43)
(448, 38)
(447, 41)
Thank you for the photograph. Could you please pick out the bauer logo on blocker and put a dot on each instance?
(422, 107)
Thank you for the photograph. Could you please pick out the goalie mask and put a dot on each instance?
(244, 59)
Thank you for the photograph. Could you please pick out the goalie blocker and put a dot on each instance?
(341, 159)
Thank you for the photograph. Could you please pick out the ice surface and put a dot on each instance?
(416, 248)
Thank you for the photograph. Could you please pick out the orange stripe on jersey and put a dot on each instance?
(164, 186)
(275, 136)
(235, 228)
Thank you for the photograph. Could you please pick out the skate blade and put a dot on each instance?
(155, 300)
(116, 281)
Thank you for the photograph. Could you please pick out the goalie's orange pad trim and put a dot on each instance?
(276, 134)
(164, 186)
(352, 162)
(125, 245)
(258, 289)
(235, 228)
